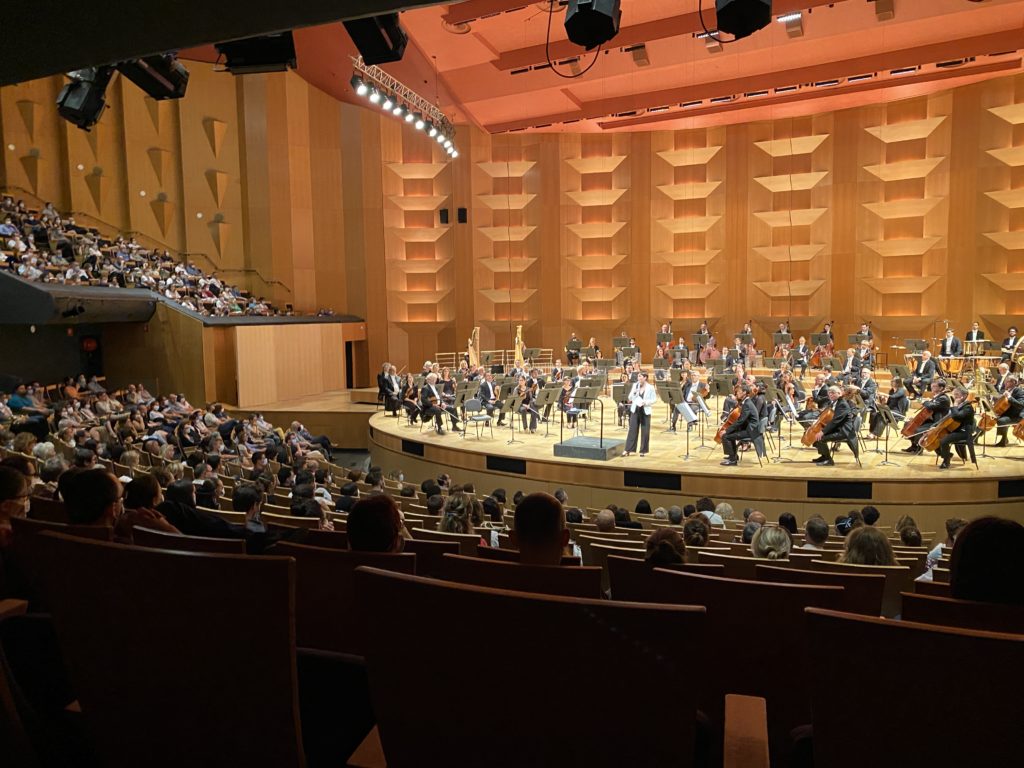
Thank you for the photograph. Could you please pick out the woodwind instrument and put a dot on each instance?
(819, 424)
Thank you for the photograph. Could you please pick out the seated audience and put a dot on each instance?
(15, 497)
(675, 515)
(910, 536)
(870, 515)
(985, 566)
(665, 547)
(787, 520)
(696, 531)
(816, 531)
(771, 542)
(179, 507)
(749, 530)
(623, 520)
(375, 525)
(605, 521)
(540, 534)
(866, 545)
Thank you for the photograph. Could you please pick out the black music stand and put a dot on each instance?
(510, 408)
(779, 338)
(700, 340)
(547, 396)
(745, 338)
(986, 406)
(664, 338)
(820, 339)
(619, 392)
(890, 423)
(670, 394)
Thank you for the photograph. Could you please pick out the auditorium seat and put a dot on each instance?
(48, 510)
(429, 554)
(512, 555)
(862, 593)
(937, 588)
(467, 541)
(542, 714)
(196, 658)
(961, 709)
(325, 595)
(632, 579)
(736, 567)
(146, 537)
(24, 559)
(582, 581)
(762, 623)
(967, 614)
(290, 521)
(898, 579)
(335, 539)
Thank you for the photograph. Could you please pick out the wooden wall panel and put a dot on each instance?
(278, 363)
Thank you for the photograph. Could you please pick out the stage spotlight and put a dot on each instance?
(591, 23)
(419, 124)
(374, 96)
(447, 143)
(431, 129)
(82, 101)
(741, 18)
(253, 55)
(409, 117)
(397, 111)
(455, 153)
(440, 138)
(161, 76)
(387, 104)
(359, 86)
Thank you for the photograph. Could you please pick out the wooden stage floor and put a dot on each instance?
(663, 476)
(342, 415)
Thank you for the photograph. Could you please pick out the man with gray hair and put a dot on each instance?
(605, 520)
(432, 405)
(675, 514)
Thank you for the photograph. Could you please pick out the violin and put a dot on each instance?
(731, 419)
(819, 424)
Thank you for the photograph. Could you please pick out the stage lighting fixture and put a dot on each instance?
(380, 39)
(397, 111)
(252, 55)
(440, 138)
(374, 96)
(82, 101)
(741, 18)
(591, 23)
(419, 124)
(431, 130)
(387, 104)
(409, 117)
(455, 153)
(161, 76)
(359, 86)
(447, 143)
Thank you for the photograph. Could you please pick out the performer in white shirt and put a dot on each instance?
(641, 402)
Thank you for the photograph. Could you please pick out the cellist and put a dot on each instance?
(744, 428)
(963, 413)
(938, 405)
(842, 427)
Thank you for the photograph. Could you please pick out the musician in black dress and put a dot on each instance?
(1015, 394)
(962, 412)
(527, 392)
(432, 405)
(939, 405)
(842, 428)
(746, 427)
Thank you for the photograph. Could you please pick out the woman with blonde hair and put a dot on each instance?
(867, 546)
(771, 542)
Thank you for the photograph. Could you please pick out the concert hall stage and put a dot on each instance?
(342, 415)
(909, 484)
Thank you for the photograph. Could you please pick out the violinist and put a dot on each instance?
(447, 386)
(1015, 394)
(963, 413)
(488, 394)
(852, 367)
(867, 357)
(868, 389)
(525, 391)
(410, 397)
(433, 405)
(1001, 378)
(681, 351)
(693, 387)
(736, 354)
(565, 402)
(746, 426)
(842, 428)
(939, 406)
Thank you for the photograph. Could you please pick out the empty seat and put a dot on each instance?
(570, 581)
(196, 658)
(966, 699)
(736, 567)
(862, 593)
(429, 554)
(325, 604)
(759, 621)
(633, 578)
(967, 614)
(898, 579)
(146, 537)
(528, 718)
(467, 541)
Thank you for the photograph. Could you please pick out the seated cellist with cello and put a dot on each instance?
(840, 428)
(742, 424)
(961, 414)
(931, 413)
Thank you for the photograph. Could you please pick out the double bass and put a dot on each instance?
(819, 424)
(823, 351)
(710, 351)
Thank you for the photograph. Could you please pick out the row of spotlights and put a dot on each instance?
(388, 104)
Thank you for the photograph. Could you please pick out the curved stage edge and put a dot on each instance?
(915, 486)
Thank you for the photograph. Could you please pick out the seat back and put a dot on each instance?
(637, 649)
(633, 579)
(512, 555)
(429, 554)
(325, 596)
(335, 539)
(48, 509)
(147, 537)
(23, 569)
(898, 579)
(179, 669)
(977, 693)
(467, 541)
(570, 581)
(862, 593)
(736, 567)
(937, 588)
(967, 614)
(289, 521)
(740, 612)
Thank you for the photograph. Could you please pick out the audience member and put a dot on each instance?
(660, 513)
(725, 511)
(771, 542)
(14, 502)
(456, 517)
(375, 525)
(749, 530)
(643, 507)
(867, 546)
(605, 521)
(696, 531)
(984, 566)
(574, 515)
(787, 520)
(675, 515)
(623, 520)
(910, 536)
(757, 517)
(816, 533)
(540, 534)
(870, 515)
(665, 547)
(689, 510)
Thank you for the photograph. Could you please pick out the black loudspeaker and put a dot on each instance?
(254, 55)
(380, 39)
(444, 215)
(83, 100)
(463, 216)
(592, 22)
(741, 18)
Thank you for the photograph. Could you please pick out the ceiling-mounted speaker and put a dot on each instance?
(380, 39)
(741, 18)
(591, 23)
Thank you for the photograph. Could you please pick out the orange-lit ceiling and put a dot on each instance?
(484, 61)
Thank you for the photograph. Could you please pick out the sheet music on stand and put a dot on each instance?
(780, 338)
(545, 397)
(620, 341)
(700, 339)
(664, 338)
(820, 339)
(745, 338)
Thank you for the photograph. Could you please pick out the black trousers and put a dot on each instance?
(639, 423)
(826, 453)
(958, 439)
(1004, 423)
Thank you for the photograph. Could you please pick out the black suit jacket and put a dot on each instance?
(842, 426)
(855, 365)
(965, 415)
(939, 406)
(925, 369)
(746, 426)
(951, 347)
(1016, 409)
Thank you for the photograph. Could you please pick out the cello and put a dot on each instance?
(731, 419)
(930, 440)
(910, 428)
(819, 424)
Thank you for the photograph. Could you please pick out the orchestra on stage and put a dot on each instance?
(942, 395)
